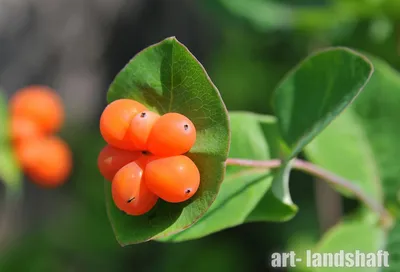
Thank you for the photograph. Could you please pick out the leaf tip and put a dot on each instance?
(358, 54)
(171, 39)
(122, 244)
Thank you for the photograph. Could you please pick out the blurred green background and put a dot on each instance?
(246, 46)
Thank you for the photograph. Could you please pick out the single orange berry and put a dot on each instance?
(172, 134)
(40, 104)
(115, 121)
(111, 159)
(129, 192)
(23, 128)
(140, 128)
(47, 161)
(173, 179)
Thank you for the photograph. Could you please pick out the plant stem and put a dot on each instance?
(322, 174)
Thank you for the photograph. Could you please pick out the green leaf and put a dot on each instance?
(243, 187)
(344, 149)
(316, 92)
(262, 14)
(378, 109)
(166, 77)
(363, 236)
(270, 207)
(379, 112)
(10, 173)
(311, 96)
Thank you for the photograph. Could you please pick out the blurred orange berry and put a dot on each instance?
(23, 128)
(47, 161)
(40, 104)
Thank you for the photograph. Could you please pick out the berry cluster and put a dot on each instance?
(37, 113)
(144, 157)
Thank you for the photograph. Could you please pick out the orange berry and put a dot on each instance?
(145, 159)
(129, 192)
(23, 128)
(47, 161)
(140, 128)
(115, 121)
(111, 159)
(173, 179)
(172, 134)
(40, 104)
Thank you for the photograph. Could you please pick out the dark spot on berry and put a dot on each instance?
(131, 199)
(188, 191)
(144, 152)
(186, 127)
(143, 114)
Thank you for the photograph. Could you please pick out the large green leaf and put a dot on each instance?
(378, 109)
(316, 92)
(349, 237)
(311, 96)
(166, 77)
(10, 173)
(243, 187)
(344, 149)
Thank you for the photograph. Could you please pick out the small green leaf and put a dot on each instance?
(349, 237)
(316, 92)
(166, 77)
(243, 187)
(272, 209)
(10, 173)
(344, 149)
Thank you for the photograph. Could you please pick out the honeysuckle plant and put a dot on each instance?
(322, 109)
